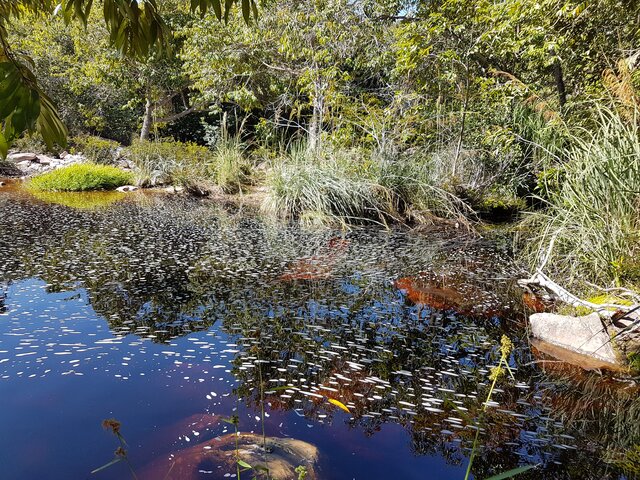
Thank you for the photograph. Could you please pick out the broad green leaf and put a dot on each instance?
(244, 464)
(4, 147)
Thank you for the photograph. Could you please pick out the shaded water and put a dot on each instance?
(171, 315)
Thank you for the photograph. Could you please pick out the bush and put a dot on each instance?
(31, 142)
(81, 177)
(96, 149)
(192, 166)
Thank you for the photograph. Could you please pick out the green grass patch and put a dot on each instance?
(80, 178)
(590, 228)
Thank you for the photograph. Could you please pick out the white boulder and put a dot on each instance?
(586, 335)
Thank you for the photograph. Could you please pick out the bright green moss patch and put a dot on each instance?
(81, 178)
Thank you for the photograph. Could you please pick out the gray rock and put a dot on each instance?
(22, 157)
(586, 335)
(24, 164)
(127, 188)
(45, 160)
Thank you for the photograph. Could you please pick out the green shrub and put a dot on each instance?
(96, 149)
(81, 177)
(30, 142)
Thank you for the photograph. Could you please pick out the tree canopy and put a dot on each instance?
(135, 29)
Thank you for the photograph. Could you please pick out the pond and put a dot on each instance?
(359, 355)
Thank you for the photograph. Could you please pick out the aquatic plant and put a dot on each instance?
(80, 177)
(506, 347)
(229, 166)
(121, 452)
(323, 188)
(346, 186)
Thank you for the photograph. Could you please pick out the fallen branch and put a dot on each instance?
(540, 280)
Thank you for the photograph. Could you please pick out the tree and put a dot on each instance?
(136, 28)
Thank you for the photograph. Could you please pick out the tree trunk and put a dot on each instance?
(463, 121)
(315, 125)
(147, 121)
(560, 86)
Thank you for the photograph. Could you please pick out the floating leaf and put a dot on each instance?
(339, 404)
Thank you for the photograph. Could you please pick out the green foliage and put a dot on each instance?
(591, 225)
(169, 162)
(30, 143)
(135, 29)
(96, 149)
(229, 166)
(80, 177)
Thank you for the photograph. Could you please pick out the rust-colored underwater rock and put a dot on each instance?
(214, 458)
(450, 293)
(320, 266)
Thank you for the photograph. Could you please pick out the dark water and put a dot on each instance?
(172, 315)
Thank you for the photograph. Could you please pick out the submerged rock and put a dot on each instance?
(217, 457)
(585, 335)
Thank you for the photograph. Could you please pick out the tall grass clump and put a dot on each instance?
(319, 190)
(170, 162)
(81, 177)
(351, 186)
(228, 165)
(591, 226)
(414, 192)
(317, 193)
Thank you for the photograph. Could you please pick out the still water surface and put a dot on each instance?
(173, 315)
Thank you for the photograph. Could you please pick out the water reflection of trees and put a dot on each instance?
(166, 271)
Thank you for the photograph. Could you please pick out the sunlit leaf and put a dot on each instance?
(339, 404)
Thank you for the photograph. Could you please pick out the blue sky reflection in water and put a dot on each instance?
(165, 314)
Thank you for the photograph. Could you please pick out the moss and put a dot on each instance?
(79, 178)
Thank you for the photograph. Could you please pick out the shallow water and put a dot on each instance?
(172, 315)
